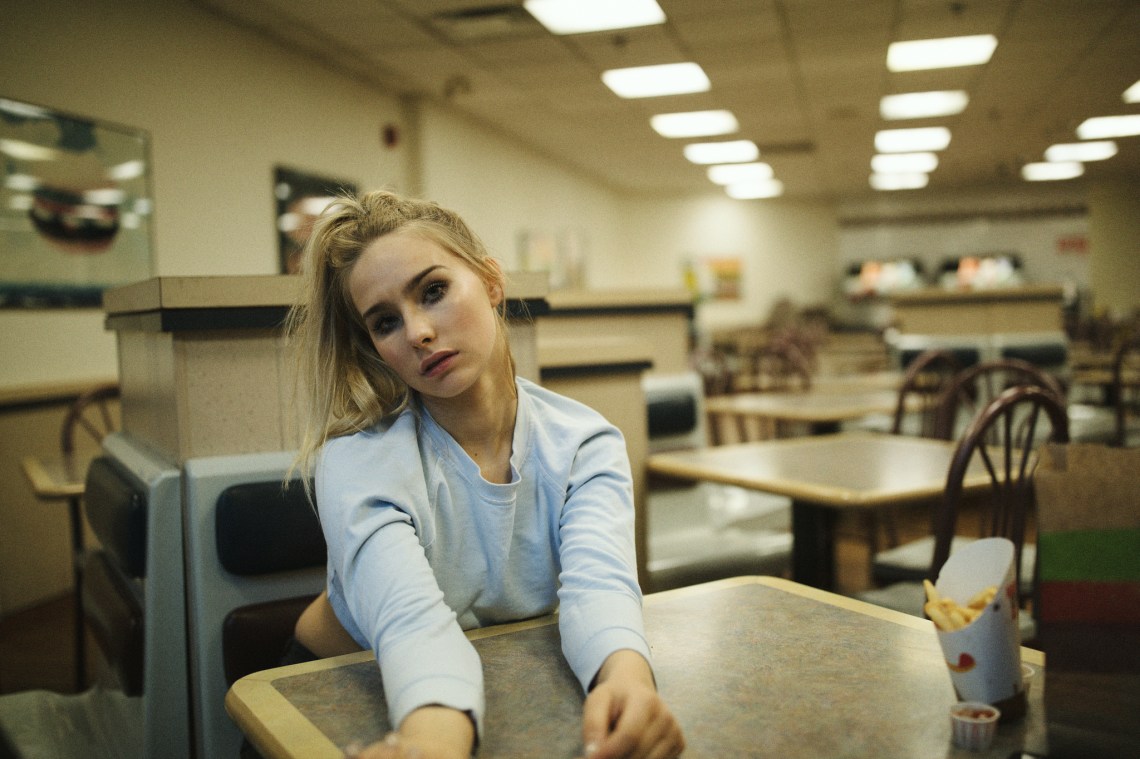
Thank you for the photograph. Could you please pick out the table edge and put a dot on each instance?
(256, 690)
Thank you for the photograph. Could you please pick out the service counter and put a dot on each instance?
(981, 325)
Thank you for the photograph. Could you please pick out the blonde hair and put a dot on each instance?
(348, 387)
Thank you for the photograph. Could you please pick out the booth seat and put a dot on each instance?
(704, 531)
(255, 557)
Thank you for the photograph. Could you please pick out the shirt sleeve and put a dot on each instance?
(389, 590)
(599, 597)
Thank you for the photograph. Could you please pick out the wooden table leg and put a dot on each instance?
(813, 547)
(77, 549)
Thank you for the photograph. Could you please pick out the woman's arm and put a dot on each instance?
(430, 732)
(625, 717)
(319, 630)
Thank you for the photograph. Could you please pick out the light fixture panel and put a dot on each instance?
(582, 16)
(733, 151)
(655, 81)
(947, 52)
(912, 140)
(694, 124)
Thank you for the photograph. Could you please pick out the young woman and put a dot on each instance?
(454, 495)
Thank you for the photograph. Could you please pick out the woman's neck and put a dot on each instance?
(482, 421)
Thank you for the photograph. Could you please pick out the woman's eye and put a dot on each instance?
(385, 325)
(434, 292)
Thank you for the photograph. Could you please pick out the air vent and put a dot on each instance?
(785, 148)
(487, 23)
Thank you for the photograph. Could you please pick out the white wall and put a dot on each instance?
(787, 249)
(502, 189)
(1114, 229)
(222, 107)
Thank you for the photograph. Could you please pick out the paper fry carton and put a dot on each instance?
(984, 658)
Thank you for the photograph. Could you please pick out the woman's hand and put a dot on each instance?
(624, 717)
(430, 732)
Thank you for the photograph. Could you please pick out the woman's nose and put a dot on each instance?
(420, 329)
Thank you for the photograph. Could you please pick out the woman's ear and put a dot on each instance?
(495, 282)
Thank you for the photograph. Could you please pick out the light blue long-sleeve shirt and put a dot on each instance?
(421, 547)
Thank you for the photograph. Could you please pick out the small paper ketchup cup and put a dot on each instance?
(973, 724)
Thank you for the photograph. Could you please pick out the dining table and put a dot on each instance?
(825, 475)
(856, 382)
(750, 667)
(822, 409)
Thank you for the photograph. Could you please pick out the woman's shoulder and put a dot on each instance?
(389, 438)
(554, 410)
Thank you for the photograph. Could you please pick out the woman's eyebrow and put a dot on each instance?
(414, 282)
(411, 285)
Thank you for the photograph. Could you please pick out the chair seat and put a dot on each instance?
(98, 723)
(679, 508)
(910, 562)
(1091, 424)
(704, 553)
(707, 532)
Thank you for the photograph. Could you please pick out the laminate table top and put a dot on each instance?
(811, 406)
(752, 667)
(824, 474)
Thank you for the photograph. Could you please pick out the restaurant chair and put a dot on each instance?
(916, 413)
(1126, 393)
(975, 386)
(1004, 436)
(89, 418)
(704, 531)
(968, 392)
(255, 557)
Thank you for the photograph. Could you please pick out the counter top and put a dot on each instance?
(597, 301)
(251, 291)
(934, 295)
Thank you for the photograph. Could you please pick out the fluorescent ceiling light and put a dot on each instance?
(1102, 127)
(904, 163)
(1045, 172)
(921, 105)
(944, 53)
(652, 81)
(1081, 151)
(127, 170)
(1132, 94)
(911, 140)
(579, 16)
(27, 151)
(751, 190)
(21, 182)
(731, 173)
(694, 124)
(26, 110)
(912, 181)
(104, 196)
(735, 151)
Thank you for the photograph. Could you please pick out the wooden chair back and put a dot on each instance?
(1015, 418)
(975, 387)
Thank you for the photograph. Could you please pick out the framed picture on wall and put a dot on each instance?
(301, 197)
(75, 207)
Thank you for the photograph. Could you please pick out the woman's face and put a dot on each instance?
(430, 317)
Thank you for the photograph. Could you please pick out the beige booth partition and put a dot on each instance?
(595, 346)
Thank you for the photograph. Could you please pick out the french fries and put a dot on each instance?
(947, 615)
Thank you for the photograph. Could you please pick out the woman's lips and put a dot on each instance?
(436, 363)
